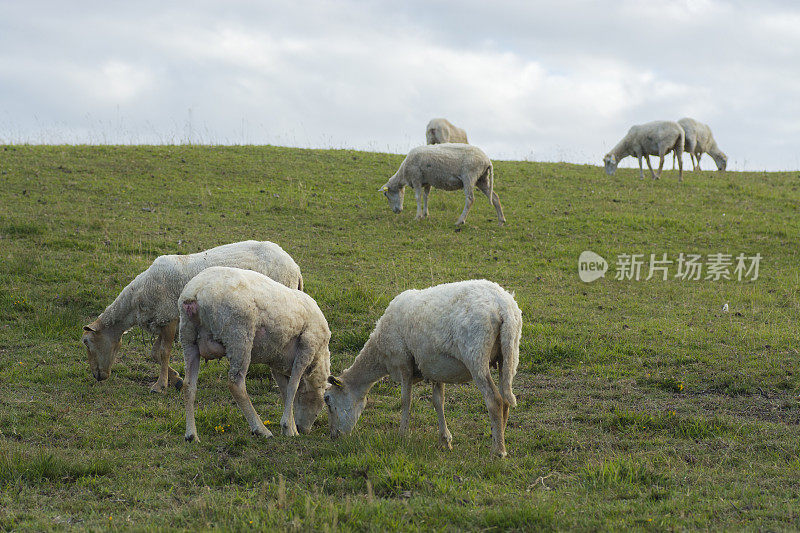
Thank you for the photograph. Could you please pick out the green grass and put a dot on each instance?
(641, 404)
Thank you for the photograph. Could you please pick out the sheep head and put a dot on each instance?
(344, 409)
(394, 195)
(720, 159)
(102, 347)
(610, 162)
(308, 403)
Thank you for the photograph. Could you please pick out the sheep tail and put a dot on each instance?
(510, 332)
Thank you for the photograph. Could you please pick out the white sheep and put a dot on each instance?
(450, 333)
(440, 130)
(249, 318)
(700, 140)
(150, 301)
(448, 166)
(654, 138)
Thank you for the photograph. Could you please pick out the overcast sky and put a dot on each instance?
(546, 81)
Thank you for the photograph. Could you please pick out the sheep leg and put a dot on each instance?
(661, 165)
(417, 197)
(191, 357)
(157, 354)
(239, 356)
(653, 174)
(161, 353)
(239, 392)
(445, 438)
(494, 404)
(469, 199)
(174, 378)
(426, 189)
(406, 383)
(506, 405)
(697, 166)
(282, 381)
(483, 185)
(641, 171)
(304, 354)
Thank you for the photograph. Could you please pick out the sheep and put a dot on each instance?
(448, 333)
(448, 166)
(150, 301)
(700, 140)
(440, 130)
(653, 138)
(247, 317)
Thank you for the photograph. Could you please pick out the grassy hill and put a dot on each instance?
(641, 403)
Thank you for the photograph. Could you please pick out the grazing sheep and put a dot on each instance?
(249, 318)
(700, 140)
(654, 138)
(150, 301)
(449, 333)
(448, 166)
(440, 130)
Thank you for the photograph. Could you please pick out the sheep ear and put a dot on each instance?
(383, 188)
(89, 327)
(335, 381)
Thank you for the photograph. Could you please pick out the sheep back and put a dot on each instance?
(451, 320)
(152, 295)
(443, 165)
(235, 305)
(648, 138)
(440, 130)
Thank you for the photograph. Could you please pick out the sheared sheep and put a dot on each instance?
(150, 301)
(440, 130)
(247, 317)
(450, 333)
(654, 138)
(448, 166)
(700, 140)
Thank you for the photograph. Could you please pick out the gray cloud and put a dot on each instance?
(547, 81)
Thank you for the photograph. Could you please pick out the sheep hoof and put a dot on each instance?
(191, 438)
(178, 384)
(500, 453)
(445, 444)
(288, 431)
(158, 387)
(265, 433)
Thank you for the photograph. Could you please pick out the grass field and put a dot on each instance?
(642, 405)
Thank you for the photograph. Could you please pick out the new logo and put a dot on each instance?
(591, 266)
